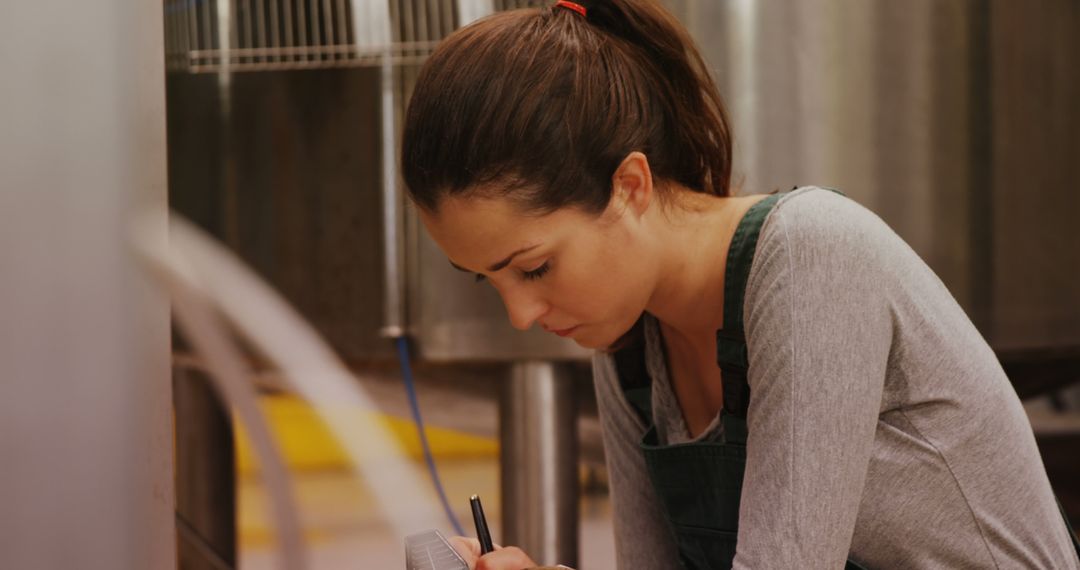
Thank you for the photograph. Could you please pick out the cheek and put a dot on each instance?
(608, 283)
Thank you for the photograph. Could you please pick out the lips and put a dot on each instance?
(563, 332)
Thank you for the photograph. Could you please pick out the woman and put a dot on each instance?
(782, 382)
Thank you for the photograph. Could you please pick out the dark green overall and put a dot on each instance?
(699, 484)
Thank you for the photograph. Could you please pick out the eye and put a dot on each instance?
(536, 273)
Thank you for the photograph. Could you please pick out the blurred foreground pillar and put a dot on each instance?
(538, 431)
(85, 398)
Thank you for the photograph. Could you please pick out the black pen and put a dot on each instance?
(482, 532)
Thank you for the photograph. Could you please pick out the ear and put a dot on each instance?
(632, 183)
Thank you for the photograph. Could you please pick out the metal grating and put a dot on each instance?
(263, 35)
(501, 5)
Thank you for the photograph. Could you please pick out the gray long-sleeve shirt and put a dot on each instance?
(880, 422)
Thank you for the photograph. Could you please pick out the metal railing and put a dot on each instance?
(201, 36)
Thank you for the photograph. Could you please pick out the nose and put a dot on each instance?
(522, 307)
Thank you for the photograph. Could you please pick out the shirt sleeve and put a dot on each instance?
(643, 540)
(819, 332)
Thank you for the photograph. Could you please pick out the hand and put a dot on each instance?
(509, 558)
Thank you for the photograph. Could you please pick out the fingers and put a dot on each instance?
(468, 548)
(509, 558)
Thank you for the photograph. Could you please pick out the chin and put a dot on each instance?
(596, 341)
(590, 343)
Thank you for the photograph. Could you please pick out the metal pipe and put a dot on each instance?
(301, 23)
(538, 464)
(227, 33)
(275, 28)
(313, 19)
(260, 27)
(408, 32)
(329, 37)
(393, 233)
(342, 27)
(248, 39)
(287, 15)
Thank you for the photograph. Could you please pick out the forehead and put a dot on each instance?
(475, 232)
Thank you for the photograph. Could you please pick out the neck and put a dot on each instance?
(694, 240)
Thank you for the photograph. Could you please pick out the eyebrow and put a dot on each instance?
(497, 266)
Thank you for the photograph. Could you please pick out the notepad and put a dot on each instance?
(429, 550)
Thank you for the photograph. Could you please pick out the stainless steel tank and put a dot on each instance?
(957, 122)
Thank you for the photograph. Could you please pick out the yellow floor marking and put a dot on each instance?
(306, 444)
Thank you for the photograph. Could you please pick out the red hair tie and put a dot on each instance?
(572, 6)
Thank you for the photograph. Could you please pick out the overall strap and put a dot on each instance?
(1068, 526)
(634, 377)
(731, 352)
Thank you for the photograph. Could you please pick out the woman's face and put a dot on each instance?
(581, 276)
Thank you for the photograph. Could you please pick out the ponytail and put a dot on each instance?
(699, 111)
(542, 105)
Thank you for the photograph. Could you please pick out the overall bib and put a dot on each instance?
(699, 484)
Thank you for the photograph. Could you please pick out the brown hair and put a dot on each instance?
(542, 105)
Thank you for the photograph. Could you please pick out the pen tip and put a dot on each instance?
(474, 498)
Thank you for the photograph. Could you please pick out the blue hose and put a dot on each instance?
(410, 389)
